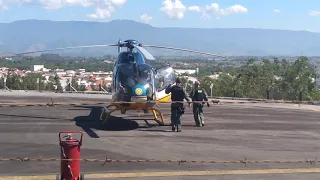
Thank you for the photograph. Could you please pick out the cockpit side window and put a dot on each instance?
(165, 76)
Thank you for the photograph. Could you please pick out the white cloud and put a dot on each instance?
(118, 2)
(52, 4)
(101, 13)
(215, 10)
(235, 9)
(205, 17)
(314, 13)
(276, 10)
(104, 8)
(175, 9)
(3, 5)
(194, 8)
(146, 18)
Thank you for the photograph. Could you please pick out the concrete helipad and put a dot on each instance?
(233, 132)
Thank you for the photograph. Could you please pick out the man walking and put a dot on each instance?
(198, 94)
(178, 93)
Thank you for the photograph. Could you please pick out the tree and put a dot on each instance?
(74, 83)
(14, 82)
(224, 86)
(2, 83)
(58, 84)
(281, 79)
(49, 86)
(82, 88)
(298, 78)
(42, 83)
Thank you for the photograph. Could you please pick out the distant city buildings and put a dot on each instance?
(184, 71)
(94, 80)
(82, 78)
(36, 68)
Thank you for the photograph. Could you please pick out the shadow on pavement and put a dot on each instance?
(33, 117)
(92, 121)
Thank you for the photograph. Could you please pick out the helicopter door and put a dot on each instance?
(164, 77)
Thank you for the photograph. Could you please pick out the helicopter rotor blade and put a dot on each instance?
(74, 47)
(144, 52)
(180, 49)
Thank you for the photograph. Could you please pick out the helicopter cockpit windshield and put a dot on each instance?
(129, 57)
(145, 75)
(128, 79)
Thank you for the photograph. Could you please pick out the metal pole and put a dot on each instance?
(211, 86)
(5, 82)
(38, 84)
(197, 71)
(100, 85)
(300, 96)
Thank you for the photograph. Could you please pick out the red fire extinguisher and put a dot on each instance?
(70, 157)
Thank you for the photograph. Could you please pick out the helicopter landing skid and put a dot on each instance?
(154, 112)
(106, 112)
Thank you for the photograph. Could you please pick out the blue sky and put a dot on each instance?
(271, 14)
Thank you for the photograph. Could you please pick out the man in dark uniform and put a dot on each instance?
(198, 94)
(178, 93)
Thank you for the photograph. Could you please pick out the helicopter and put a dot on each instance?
(136, 85)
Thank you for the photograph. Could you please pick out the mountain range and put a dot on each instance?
(27, 35)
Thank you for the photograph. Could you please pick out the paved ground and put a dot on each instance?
(232, 132)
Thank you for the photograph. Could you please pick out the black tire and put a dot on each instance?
(81, 176)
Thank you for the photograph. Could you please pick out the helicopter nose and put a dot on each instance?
(139, 93)
(139, 90)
